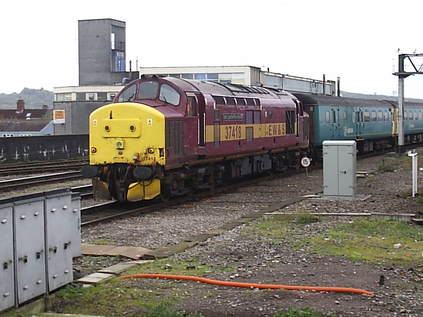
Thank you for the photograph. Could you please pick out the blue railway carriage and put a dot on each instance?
(413, 122)
(369, 122)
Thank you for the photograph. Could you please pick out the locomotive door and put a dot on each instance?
(201, 119)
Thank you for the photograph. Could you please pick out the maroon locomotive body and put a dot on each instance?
(212, 132)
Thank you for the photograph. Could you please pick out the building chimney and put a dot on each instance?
(20, 106)
(338, 86)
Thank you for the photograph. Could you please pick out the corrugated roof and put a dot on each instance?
(22, 125)
(11, 114)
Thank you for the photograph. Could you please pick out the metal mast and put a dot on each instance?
(402, 74)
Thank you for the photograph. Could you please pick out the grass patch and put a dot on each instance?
(389, 165)
(126, 298)
(101, 242)
(306, 312)
(278, 227)
(373, 240)
(110, 299)
(169, 266)
(163, 311)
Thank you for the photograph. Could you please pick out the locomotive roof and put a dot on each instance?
(214, 88)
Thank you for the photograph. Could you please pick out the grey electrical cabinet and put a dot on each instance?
(29, 248)
(59, 229)
(7, 285)
(39, 236)
(339, 169)
(76, 225)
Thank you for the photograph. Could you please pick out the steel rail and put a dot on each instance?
(11, 184)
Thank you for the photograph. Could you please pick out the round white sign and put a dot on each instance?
(305, 162)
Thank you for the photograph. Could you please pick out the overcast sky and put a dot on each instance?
(355, 40)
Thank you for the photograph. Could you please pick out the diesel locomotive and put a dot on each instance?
(168, 136)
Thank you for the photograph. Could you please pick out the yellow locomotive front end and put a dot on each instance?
(127, 151)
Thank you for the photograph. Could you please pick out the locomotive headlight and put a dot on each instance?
(150, 150)
(120, 145)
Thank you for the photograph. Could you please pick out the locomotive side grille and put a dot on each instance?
(174, 136)
(290, 122)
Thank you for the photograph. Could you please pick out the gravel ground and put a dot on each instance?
(173, 225)
(257, 260)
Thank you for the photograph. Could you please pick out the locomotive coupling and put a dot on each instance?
(142, 173)
(89, 171)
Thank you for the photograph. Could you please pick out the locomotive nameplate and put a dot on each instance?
(233, 117)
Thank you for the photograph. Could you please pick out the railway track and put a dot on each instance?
(113, 210)
(17, 183)
(32, 168)
(85, 191)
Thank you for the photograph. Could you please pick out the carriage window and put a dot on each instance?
(128, 94)
(343, 115)
(148, 90)
(169, 95)
(373, 116)
(379, 116)
(385, 116)
(366, 116)
(327, 116)
(359, 116)
(415, 116)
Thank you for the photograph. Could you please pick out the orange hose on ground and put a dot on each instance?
(250, 285)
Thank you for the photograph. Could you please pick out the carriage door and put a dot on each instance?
(201, 119)
(334, 122)
(358, 122)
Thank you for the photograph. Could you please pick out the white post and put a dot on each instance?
(414, 171)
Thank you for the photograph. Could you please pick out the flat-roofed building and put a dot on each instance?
(245, 75)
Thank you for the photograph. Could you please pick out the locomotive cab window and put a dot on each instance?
(128, 94)
(148, 90)
(169, 95)
(192, 106)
